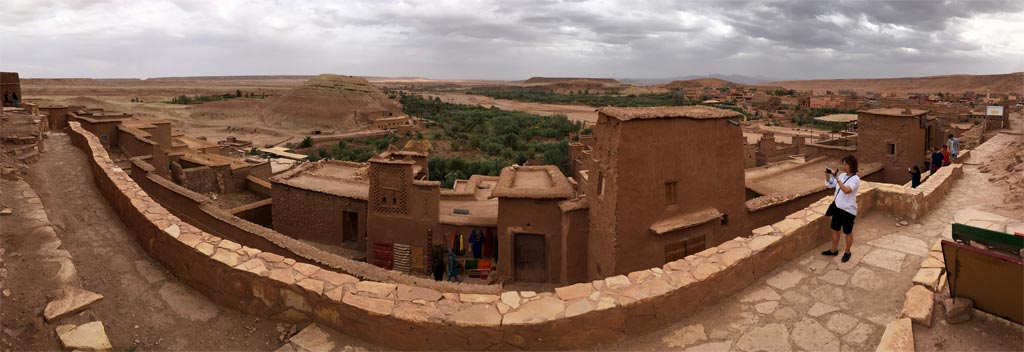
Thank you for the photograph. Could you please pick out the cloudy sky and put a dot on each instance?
(511, 39)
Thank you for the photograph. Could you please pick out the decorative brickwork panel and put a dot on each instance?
(388, 185)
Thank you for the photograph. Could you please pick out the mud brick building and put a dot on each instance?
(896, 138)
(323, 202)
(660, 189)
(10, 88)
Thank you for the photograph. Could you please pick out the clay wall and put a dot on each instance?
(315, 216)
(703, 180)
(202, 179)
(161, 134)
(815, 150)
(10, 86)
(259, 213)
(261, 170)
(409, 317)
(602, 245)
(105, 130)
(534, 217)
(133, 144)
(575, 225)
(234, 178)
(57, 116)
(771, 214)
(750, 156)
(878, 131)
(258, 186)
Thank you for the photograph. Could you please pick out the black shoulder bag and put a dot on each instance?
(832, 207)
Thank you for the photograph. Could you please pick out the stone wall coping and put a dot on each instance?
(268, 284)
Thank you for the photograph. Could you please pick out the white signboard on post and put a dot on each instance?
(994, 110)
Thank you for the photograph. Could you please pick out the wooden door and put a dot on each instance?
(530, 258)
(350, 226)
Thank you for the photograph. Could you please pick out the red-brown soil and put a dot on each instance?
(331, 101)
(1000, 83)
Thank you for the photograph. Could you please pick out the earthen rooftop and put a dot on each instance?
(895, 112)
(214, 160)
(539, 182)
(697, 112)
(685, 220)
(472, 196)
(340, 178)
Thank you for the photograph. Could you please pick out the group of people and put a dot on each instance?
(843, 210)
(943, 156)
(11, 99)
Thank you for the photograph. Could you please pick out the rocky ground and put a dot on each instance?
(62, 232)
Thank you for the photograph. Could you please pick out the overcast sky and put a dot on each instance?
(511, 39)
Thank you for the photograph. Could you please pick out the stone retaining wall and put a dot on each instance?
(411, 317)
(913, 203)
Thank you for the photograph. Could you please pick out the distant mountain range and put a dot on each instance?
(731, 78)
(997, 83)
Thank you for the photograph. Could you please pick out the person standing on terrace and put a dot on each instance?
(843, 209)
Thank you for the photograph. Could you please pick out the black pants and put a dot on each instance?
(842, 219)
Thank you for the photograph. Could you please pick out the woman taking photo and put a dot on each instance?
(843, 209)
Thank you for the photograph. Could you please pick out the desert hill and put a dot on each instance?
(700, 83)
(570, 80)
(329, 101)
(999, 83)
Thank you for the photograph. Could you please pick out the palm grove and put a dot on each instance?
(501, 137)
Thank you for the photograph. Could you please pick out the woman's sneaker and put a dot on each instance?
(830, 253)
(846, 257)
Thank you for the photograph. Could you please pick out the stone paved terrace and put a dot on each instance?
(817, 303)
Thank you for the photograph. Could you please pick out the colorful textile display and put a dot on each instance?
(416, 259)
(383, 254)
(476, 242)
(401, 258)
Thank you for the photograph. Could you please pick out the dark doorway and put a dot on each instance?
(530, 258)
(350, 227)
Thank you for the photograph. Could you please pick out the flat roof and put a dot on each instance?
(698, 112)
(195, 143)
(685, 220)
(842, 118)
(209, 159)
(894, 112)
(781, 182)
(283, 152)
(468, 212)
(537, 182)
(339, 178)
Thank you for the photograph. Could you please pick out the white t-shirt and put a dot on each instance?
(845, 201)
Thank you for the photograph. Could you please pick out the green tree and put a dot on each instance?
(306, 142)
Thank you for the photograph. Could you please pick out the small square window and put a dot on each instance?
(891, 150)
(670, 192)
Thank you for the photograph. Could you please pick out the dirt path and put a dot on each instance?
(144, 306)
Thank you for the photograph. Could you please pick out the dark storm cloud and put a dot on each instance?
(512, 39)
